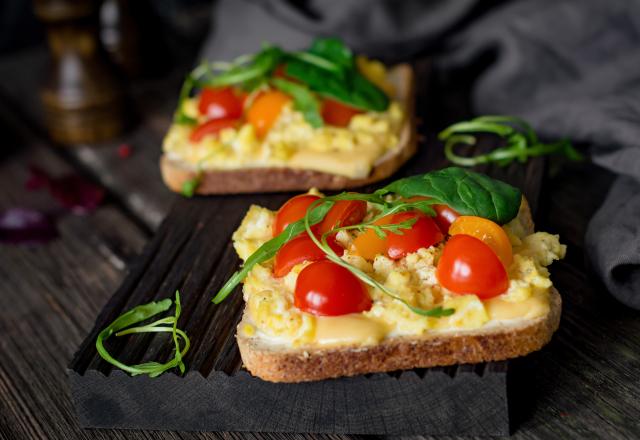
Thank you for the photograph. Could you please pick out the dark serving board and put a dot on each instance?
(192, 252)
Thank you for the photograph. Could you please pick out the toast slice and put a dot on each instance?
(271, 179)
(497, 341)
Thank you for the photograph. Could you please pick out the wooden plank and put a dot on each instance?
(49, 297)
(136, 180)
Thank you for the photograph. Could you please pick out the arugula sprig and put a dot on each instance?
(122, 326)
(521, 141)
(381, 231)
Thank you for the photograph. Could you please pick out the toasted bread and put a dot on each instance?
(270, 179)
(504, 340)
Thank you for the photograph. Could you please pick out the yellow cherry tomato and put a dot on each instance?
(489, 232)
(265, 110)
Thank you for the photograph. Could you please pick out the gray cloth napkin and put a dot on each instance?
(570, 67)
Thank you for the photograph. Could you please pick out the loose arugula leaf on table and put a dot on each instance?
(303, 100)
(122, 326)
(190, 186)
(521, 141)
(467, 192)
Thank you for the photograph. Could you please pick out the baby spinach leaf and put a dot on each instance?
(303, 100)
(351, 88)
(467, 192)
(335, 50)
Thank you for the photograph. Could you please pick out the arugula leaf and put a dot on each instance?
(190, 186)
(521, 141)
(181, 117)
(270, 248)
(260, 66)
(380, 230)
(122, 326)
(303, 100)
(465, 191)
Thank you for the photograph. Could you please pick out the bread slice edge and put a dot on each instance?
(496, 343)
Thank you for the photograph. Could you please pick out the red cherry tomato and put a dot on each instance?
(343, 213)
(220, 103)
(327, 289)
(337, 113)
(467, 265)
(445, 216)
(299, 250)
(293, 210)
(214, 126)
(423, 233)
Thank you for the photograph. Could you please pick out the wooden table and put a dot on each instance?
(584, 384)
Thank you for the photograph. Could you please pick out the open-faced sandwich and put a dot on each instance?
(435, 269)
(277, 121)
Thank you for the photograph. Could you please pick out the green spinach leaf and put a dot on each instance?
(467, 192)
(351, 88)
(335, 50)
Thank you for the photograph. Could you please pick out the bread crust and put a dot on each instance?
(272, 179)
(402, 353)
(499, 342)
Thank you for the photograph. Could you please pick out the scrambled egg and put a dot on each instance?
(273, 316)
(351, 151)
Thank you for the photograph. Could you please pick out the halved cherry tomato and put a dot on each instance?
(211, 127)
(445, 215)
(265, 109)
(293, 210)
(299, 250)
(467, 265)
(489, 232)
(337, 113)
(368, 244)
(327, 289)
(422, 234)
(343, 213)
(220, 103)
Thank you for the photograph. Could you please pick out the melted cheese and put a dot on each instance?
(500, 309)
(347, 163)
(354, 329)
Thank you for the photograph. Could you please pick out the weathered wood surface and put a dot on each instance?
(583, 385)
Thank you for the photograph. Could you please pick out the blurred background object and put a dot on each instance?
(83, 96)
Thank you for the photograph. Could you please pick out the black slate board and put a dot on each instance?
(192, 251)
(460, 400)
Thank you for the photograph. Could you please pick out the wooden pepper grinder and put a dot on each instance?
(83, 96)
